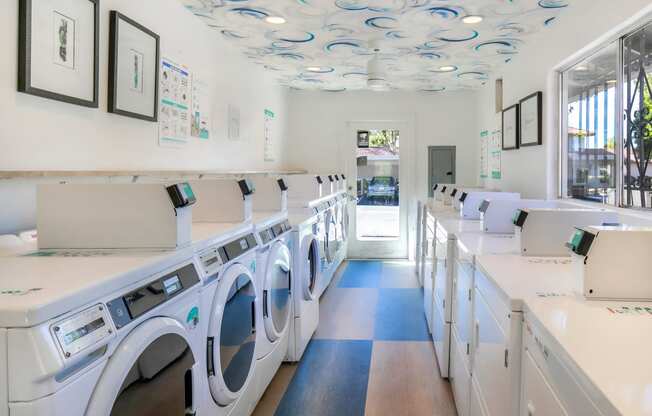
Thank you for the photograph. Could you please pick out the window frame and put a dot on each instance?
(562, 150)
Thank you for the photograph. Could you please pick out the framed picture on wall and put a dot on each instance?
(58, 50)
(511, 129)
(531, 120)
(134, 54)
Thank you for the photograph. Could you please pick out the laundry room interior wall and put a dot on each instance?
(533, 171)
(42, 134)
(38, 134)
(317, 128)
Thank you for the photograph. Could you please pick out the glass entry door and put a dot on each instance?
(378, 178)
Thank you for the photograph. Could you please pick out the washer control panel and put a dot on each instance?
(83, 330)
(210, 261)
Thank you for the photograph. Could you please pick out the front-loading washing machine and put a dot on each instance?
(86, 332)
(306, 266)
(274, 278)
(229, 299)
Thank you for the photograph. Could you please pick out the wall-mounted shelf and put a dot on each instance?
(135, 175)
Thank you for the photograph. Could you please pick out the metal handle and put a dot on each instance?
(531, 410)
(476, 335)
(449, 173)
(253, 317)
(265, 303)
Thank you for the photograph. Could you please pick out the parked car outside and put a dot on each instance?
(382, 187)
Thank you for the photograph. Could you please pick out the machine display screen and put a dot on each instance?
(484, 206)
(73, 336)
(454, 192)
(172, 285)
(443, 189)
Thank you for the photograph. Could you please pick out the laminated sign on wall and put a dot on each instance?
(495, 154)
(174, 117)
(484, 154)
(200, 125)
(269, 130)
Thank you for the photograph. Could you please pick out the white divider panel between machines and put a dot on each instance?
(77, 216)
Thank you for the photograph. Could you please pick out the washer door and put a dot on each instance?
(231, 343)
(311, 265)
(332, 245)
(149, 374)
(276, 291)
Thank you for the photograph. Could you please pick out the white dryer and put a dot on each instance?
(100, 333)
(306, 264)
(274, 278)
(229, 299)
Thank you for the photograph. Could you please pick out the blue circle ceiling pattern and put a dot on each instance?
(411, 39)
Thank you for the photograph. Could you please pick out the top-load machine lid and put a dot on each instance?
(543, 232)
(611, 261)
(497, 215)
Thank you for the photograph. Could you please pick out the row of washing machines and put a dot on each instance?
(514, 293)
(158, 299)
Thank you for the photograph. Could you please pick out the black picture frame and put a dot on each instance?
(25, 8)
(511, 111)
(114, 34)
(523, 139)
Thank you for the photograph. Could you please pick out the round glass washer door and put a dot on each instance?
(276, 291)
(150, 373)
(332, 245)
(231, 343)
(311, 263)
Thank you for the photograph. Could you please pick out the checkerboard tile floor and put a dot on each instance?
(371, 355)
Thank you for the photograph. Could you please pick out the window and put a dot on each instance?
(590, 93)
(600, 129)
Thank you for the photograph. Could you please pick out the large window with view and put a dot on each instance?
(606, 119)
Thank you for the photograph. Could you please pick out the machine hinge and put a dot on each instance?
(444, 303)
(469, 295)
(506, 358)
(468, 348)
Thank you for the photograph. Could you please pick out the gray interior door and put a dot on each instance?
(441, 165)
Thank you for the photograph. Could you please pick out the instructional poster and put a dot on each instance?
(484, 154)
(200, 125)
(174, 117)
(269, 138)
(495, 154)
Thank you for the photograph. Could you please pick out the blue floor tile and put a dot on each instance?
(331, 379)
(399, 316)
(361, 274)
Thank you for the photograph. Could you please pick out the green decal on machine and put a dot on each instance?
(193, 317)
(187, 189)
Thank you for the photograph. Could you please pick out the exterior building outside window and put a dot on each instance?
(607, 117)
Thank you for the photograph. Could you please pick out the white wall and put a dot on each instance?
(317, 127)
(318, 131)
(36, 133)
(41, 134)
(533, 171)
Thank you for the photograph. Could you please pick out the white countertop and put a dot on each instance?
(518, 277)
(611, 349)
(482, 243)
(262, 219)
(44, 287)
(298, 216)
(205, 234)
(455, 225)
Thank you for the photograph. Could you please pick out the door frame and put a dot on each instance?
(383, 249)
(430, 164)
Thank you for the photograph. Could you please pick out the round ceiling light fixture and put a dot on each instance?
(447, 68)
(472, 19)
(275, 20)
(320, 69)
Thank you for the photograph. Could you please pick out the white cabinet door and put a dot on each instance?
(463, 307)
(460, 376)
(490, 360)
(538, 398)
(477, 407)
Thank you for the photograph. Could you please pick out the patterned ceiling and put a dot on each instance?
(328, 44)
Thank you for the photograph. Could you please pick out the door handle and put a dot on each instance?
(449, 173)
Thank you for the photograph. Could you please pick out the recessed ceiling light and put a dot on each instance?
(447, 68)
(582, 68)
(612, 81)
(314, 69)
(275, 20)
(472, 19)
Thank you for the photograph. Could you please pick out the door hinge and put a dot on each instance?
(468, 348)
(444, 304)
(506, 358)
(469, 295)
